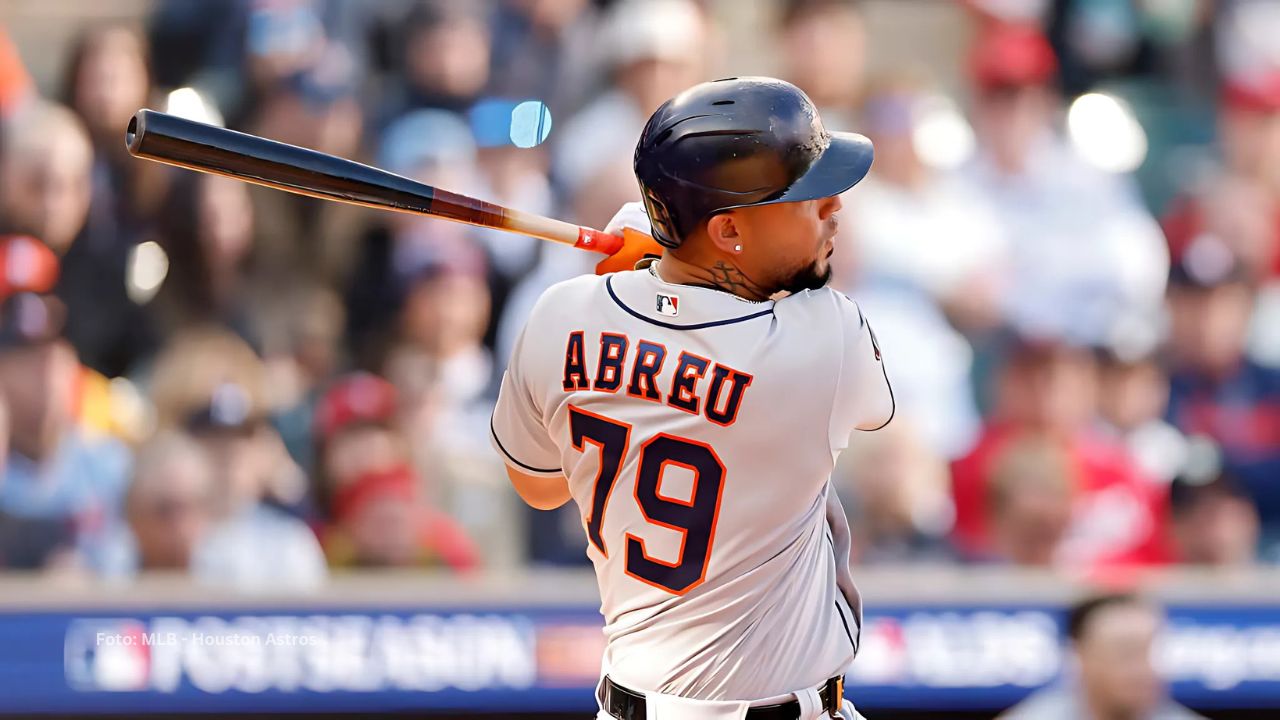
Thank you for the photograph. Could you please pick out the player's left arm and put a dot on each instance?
(863, 396)
(876, 405)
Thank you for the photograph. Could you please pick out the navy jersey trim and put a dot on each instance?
(852, 643)
(893, 402)
(494, 432)
(608, 285)
(839, 610)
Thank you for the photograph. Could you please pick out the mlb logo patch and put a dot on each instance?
(668, 305)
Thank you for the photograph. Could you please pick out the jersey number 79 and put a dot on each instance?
(695, 519)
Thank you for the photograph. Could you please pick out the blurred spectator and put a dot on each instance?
(541, 49)
(1216, 390)
(317, 107)
(193, 364)
(54, 469)
(1238, 203)
(107, 80)
(28, 543)
(444, 58)
(1250, 70)
(381, 520)
(206, 230)
(1249, 127)
(357, 432)
(652, 50)
(238, 52)
(26, 265)
(100, 406)
(1214, 520)
(248, 459)
(442, 319)
(1029, 500)
(303, 348)
(46, 175)
(378, 510)
(443, 376)
(16, 88)
(823, 46)
(1111, 41)
(255, 545)
(180, 35)
(435, 147)
(169, 508)
(205, 364)
(419, 303)
(1112, 640)
(1049, 389)
(915, 222)
(1133, 393)
(1085, 254)
(282, 39)
(896, 493)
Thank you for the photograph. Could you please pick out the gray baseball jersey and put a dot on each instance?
(698, 431)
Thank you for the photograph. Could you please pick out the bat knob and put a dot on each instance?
(600, 242)
(134, 133)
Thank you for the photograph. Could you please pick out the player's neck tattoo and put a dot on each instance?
(728, 278)
(720, 275)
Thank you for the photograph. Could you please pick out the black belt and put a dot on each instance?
(626, 704)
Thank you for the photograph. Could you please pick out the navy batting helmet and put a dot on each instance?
(738, 142)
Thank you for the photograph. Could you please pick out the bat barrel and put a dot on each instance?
(186, 143)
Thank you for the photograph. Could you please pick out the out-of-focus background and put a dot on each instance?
(244, 438)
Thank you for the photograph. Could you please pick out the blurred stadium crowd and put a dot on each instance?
(1072, 262)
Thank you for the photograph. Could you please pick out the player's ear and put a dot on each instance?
(722, 228)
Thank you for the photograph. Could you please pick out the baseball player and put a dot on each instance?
(694, 408)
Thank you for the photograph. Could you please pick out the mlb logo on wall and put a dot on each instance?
(110, 654)
(668, 305)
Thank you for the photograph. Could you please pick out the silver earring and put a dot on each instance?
(737, 248)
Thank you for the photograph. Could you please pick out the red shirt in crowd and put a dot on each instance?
(1119, 516)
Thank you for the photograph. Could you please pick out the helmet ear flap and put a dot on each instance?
(664, 228)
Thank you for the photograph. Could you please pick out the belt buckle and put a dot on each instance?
(835, 695)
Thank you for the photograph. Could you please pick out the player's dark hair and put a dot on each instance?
(1079, 615)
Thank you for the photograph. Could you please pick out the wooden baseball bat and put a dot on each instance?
(185, 143)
